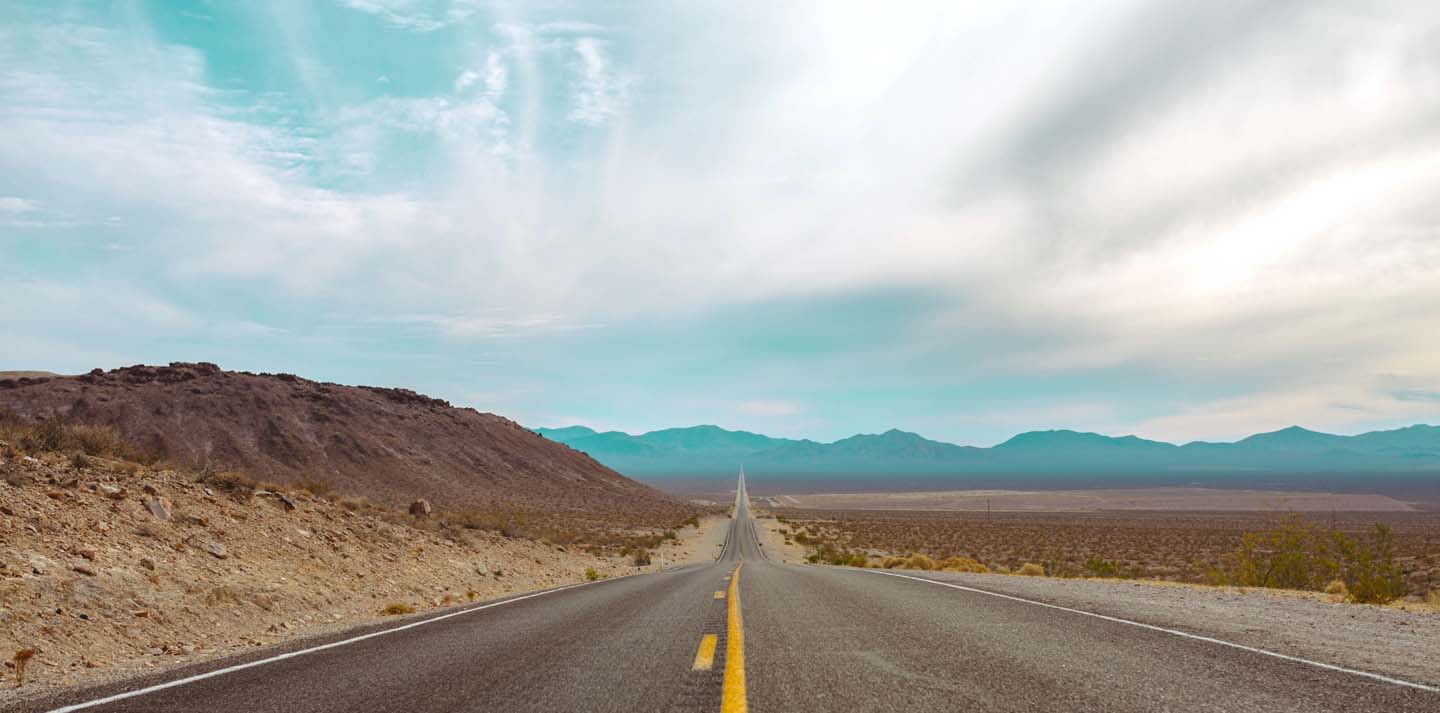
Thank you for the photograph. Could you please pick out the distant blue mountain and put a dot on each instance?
(709, 450)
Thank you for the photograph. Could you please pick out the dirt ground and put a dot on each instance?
(1181, 499)
(107, 574)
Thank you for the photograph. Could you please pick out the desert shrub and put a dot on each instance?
(1371, 575)
(314, 487)
(692, 521)
(961, 564)
(397, 608)
(641, 558)
(591, 575)
(919, 562)
(1337, 586)
(228, 481)
(1030, 569)
(828, 554)
(21, 659)
(892, 562)
(1296, 554)
(95, 440)
(1098, 567)
(47, 435)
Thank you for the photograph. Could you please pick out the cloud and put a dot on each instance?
(599, 92)
(1235, 198)
(1417, 395)
(411, 15)
(11, 205)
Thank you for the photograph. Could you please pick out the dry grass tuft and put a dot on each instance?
(1030, 569)
(962, 564)
(22, 658)
(918, 562)
(397, 609)
(1337, 586)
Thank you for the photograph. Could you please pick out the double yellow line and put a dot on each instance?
(733, 698)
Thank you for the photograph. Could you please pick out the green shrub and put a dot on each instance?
(1296, 554)
(591, 575)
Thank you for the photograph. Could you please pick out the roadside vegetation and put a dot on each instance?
(1347, 557)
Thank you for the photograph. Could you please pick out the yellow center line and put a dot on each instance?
(720, 594)
(705, 655)
(733, 698)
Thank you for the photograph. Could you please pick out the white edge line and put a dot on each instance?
(313, 649)
(1176, 632)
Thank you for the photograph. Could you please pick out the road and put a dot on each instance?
(748, 634)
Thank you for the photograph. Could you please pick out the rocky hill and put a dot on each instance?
(389, 444)
(110, 568)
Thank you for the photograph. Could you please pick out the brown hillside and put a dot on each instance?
(389, 444)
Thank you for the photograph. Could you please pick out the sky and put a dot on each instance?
(1185, 221)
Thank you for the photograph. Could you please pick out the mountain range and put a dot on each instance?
(1061, 455)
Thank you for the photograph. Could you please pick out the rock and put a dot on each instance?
(217, 549)
(110, 491)
(159, 507)
(70, 482)
(30, 462)
(421, 508)
(86, 551)
(285, 501)
(84, 569)
(150, 489)
(147, 563)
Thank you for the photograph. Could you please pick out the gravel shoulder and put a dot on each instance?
(1384, 640)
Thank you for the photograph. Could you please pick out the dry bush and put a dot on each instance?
(892, 562)
(397, 609)
(236, 484)
(1337, 586)
(95, 440)
(21, 660)
(919, 562)
(315, 487)
(1030, 569)
(962, 564)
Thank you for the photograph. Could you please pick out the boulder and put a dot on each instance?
(159, 507)
(421, 508)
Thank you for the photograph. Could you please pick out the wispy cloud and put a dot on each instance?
(599, 92)
(410, 15)
(1235, 198)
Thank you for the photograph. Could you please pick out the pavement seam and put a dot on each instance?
(1174, 632)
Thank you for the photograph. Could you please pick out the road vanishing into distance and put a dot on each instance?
(748, 634)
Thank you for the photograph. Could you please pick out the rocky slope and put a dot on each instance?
(109, 569)
(389, 444)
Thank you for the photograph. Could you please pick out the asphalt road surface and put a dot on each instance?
(748, 634)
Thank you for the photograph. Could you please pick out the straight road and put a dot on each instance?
(747, 634)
